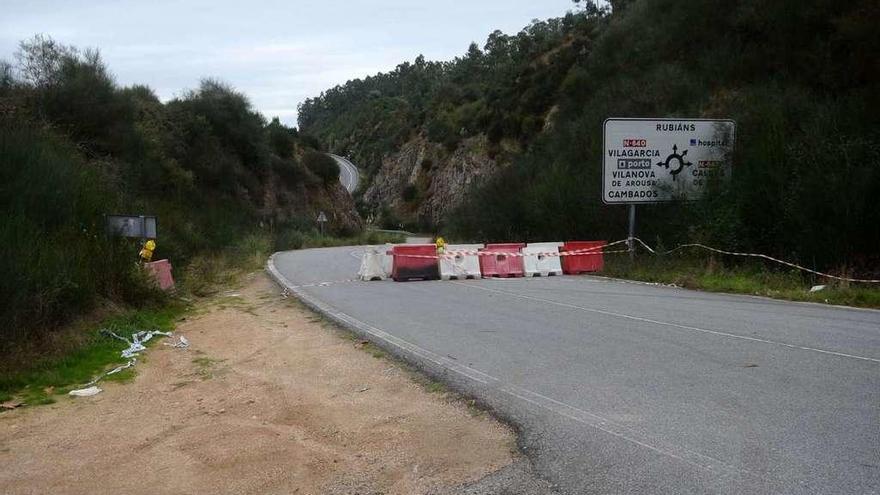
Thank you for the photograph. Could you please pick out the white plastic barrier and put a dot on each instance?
(535, 263)
(374, 263)
(387, 259)
(461, 266)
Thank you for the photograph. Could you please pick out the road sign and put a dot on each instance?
(142, 226)
(659, 160)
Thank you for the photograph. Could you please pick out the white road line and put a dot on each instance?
(700, 461)
(669, 324)
(349, 170)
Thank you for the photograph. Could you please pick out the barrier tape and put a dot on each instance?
(599, 250)
(451, 255)
(757, 255)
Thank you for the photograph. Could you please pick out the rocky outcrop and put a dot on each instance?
(282, 203)
(422, 182)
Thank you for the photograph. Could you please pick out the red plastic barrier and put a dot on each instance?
(501, 265)
(593, 261)
(409, 268)
(161, 273)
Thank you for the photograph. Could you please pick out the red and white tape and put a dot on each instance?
(757, 255)
(601, 250)
(597, 250)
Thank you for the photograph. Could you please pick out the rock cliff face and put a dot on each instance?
(422, 182)
(281, 204)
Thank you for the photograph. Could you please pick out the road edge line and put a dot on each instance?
(427, 362)
(424, 360)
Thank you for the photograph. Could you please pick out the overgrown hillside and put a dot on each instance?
(75, 146)
(520, 122)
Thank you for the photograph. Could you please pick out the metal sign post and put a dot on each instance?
(322, 219)
(632, 232)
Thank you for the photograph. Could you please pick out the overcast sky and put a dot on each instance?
(278, 52)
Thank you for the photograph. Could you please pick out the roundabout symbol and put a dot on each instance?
(675, 170)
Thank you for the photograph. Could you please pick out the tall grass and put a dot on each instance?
(716, 274)
(56, 259)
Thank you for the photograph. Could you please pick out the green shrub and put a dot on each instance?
(56, 257)
(288, 239)
(74, 147)
(322, 165)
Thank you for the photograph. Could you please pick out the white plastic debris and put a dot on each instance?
(136, 344)
(85, 392)
(131, 362)
(817, 288)
(182, 343)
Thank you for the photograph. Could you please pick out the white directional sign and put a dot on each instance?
(657, 160)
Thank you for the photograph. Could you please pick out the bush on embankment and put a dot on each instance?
(57, 258)
(74, 146)
(800, 77)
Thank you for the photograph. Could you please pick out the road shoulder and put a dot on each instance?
(270, 398)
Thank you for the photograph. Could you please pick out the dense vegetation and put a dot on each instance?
(74, 146)
(801, 78)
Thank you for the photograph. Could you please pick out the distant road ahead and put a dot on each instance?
(348, 173)
(630, 388)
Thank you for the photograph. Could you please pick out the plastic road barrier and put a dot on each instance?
(387, 259)
(460, 266)
(161, 273)
(536, 262)
(502, 264)
(371, 265)
(591, 260)
(415, 261)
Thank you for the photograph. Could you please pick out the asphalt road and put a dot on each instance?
(621, 387)
(348, 173)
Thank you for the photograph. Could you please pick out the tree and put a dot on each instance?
(322, 165)
(282, 139)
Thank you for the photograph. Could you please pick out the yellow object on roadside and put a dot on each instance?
(146, 253)
(441, 245)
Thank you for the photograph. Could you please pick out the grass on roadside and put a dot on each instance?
(715, 275)
(40, 374)
(58, 375)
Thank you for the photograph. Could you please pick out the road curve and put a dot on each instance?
(348, 173)
(620, 387)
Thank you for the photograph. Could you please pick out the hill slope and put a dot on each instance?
(504, 141)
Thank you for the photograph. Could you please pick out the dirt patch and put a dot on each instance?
(267, 400)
